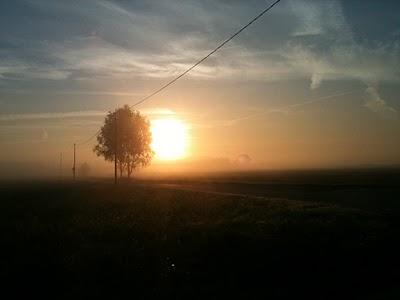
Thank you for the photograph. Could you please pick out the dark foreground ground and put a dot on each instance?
(249, 236)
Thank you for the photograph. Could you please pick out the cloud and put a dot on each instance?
(129, 40)
(316, 80)
(283, 110)
(20, 70)
(35, 116)
(158, 112)
(77, 114)
(376, 104)
(377, 62)
(320, 18)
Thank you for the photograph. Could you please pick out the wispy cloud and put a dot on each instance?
(125, 41)
(284, 110)
(140, 48)
(320, 18)
(72, 92)
(376, 104)
(58, 115)
(78, 114)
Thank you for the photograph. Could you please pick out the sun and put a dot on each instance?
(170, 139)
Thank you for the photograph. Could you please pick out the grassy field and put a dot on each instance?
(142, 241)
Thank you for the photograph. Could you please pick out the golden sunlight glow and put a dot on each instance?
(170, 139)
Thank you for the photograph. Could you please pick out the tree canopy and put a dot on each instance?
(127, 133)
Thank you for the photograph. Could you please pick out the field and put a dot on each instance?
(314, 235)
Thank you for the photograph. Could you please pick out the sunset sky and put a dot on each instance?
(312, 84)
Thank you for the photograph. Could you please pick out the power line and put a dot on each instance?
(194, 65)
(207, 56)
(89, 139)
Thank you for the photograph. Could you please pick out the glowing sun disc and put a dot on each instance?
(169, 139)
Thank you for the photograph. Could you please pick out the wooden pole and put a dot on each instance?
(74, 166)
(61, 173)
(115, 147)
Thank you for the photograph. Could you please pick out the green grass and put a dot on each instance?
(92, 240)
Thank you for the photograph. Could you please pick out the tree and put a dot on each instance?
(127, 133)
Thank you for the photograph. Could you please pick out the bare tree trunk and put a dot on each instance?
(129, 169)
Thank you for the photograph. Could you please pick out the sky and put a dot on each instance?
(313, 84)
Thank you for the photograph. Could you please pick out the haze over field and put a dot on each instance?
(315, 84)
(200, 149)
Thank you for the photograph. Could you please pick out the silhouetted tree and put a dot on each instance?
(131, 136)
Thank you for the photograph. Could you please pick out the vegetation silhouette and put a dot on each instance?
(294, 235)
(125, 135)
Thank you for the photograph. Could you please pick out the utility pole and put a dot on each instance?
(61, 173)
(115, 146)
(74, 166)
